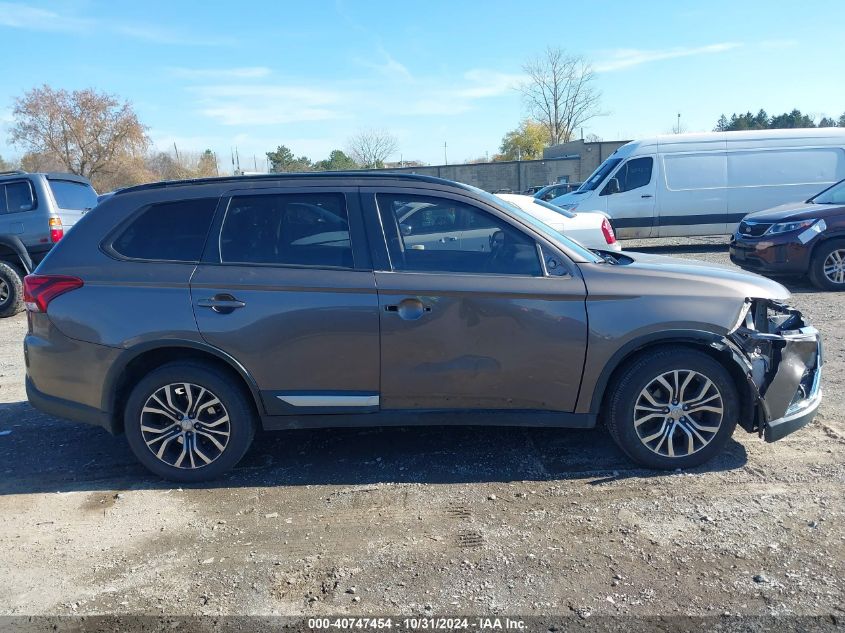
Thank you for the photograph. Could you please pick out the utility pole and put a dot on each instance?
(445, 159)
(176, 150)
(679, 124)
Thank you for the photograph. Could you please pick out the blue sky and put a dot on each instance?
(310, 74)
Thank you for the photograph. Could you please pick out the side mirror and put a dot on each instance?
(611, 187)
(406, 229)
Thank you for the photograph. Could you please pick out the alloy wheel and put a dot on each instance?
(185, 425)
(678, 413)
(4, 291)
(834, 266)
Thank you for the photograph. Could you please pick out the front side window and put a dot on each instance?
(72, 195)
(431, 234)
(17, 198)
(171, 231)
(287, 230)
(634, 174)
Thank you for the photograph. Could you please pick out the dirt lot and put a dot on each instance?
(427, 521)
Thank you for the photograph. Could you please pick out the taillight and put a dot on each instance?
(40, 290)
(57, 231)
(607, 231)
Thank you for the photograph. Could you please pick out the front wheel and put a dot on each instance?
(187, 422)
(673, 409)
(827, 268)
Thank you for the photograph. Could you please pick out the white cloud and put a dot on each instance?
(236, 104)
(21, 16)
(628, 58)
(244, 72)
(389, 66)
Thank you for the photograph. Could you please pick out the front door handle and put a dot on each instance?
(222, 303)
(408, 309)
(646, 195)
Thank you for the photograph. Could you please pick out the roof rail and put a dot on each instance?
(364, 174)
(13, 172)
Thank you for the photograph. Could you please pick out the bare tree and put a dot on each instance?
(370, 148)
(89, 133)
(559, 93)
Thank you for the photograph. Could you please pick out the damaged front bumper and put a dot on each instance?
(782, 358)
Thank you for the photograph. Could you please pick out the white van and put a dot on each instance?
(704, 184)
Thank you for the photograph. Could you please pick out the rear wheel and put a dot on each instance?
(187, 422)
(11, 290)
(827, 268)
(673, 409)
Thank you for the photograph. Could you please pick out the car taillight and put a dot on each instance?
(57, 231)
(40, 290)
(607, 231)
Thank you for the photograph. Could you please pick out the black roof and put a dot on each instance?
(318, 175)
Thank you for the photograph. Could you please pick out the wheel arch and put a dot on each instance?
(141, 359)
(824, 238)
(710, 343)
(11, 248)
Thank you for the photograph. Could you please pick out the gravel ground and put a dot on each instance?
(428, 521)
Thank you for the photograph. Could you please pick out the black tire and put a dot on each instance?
(641, 373)
(241, 422)
(816, 272)
(11, 290)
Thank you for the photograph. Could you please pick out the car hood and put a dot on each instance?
(691, 276)
(795, 211)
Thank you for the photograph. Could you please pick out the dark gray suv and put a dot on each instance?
(189, 314)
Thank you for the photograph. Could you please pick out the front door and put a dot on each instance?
(630, 195)
(287, 290)
(476, 327)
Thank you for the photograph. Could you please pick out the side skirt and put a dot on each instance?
(440, 417)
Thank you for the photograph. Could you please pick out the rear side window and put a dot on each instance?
(171, 231)
(287, 230)
(689, 172)
(75, 196)
(16, 197)
(785, 167)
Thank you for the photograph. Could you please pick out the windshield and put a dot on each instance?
(832, 195)
(600, 174)
(545, 229)
(73, 195)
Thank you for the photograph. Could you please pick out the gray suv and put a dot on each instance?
(35, 212)
(189, 314)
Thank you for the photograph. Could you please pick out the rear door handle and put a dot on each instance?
(222, 304)
(646, 195)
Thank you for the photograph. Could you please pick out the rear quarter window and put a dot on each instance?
(169, 231)
(72, 195)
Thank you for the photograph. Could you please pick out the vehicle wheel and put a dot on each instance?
(11, 290)
(673, 409)
(187, 422)
(827, 268)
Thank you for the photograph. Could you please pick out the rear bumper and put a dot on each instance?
(68, 409)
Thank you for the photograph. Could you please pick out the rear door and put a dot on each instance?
(632, 207)
(482, 326)
(287, 289)
(695, 198)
